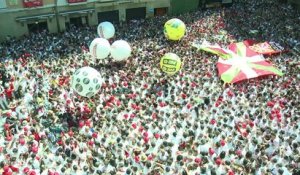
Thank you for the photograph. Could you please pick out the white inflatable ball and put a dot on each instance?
(106, 30)
(120, 50)
(99, 48)
(86, 81)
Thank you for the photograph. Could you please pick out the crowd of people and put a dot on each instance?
(143, 121)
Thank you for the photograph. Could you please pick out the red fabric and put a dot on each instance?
(145, 134)
(159, 93)
(37, 137)
(223, 142)
(27, 55)
(245, 134)
(14, 169)
(126, 116)
(133, 125)
(157, 136)
(162, 104)
(230, 172)
(137, 159)
(141, 129)
(222, 68)
(150, 157)
(91, 143)
(249, 53)
(125, 84)
(265, 48)
(213, 121)
(8, 138)
(94, 135)
(263, 72)
(61, 81)
(76, 1)
(7, 173)
(270, 104)
(194, 84)
(32, 3)
(126, 154)
(22, 141)
(251, 124)
(146, 139)
(81, 124)
(189, 106)
(11, 85)
(88, 123)
(241, 76)
(9, 92)
(244, 125)
(224, 65)
(6, 126)
(32, 172)
(218, 161)
(198, 160)
(59, 142)
(211, 151)
(145, 86)
(26, 170)
(87, 109)
(6, 168)
(118, 103)
(35, 149)
(154, 116)
(132, 116)
(230, 93)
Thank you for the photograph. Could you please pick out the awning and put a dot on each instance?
(36, 17)
(77, 12)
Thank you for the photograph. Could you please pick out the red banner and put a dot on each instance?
(76, 1)
(32, 3)
(265, 48)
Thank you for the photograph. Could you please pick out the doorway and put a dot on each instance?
(135, 13)
(76, 21)
(160, 11)
(37, 26)
(112, 16)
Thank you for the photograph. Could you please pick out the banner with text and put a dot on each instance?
(32, 3)
(12, 2)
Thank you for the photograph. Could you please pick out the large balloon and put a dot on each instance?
(86, 81)
(100, 48)
(174, 29)
(170, 63)
(106, 30)
(120, 50)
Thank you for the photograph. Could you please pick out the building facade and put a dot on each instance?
(20, 17)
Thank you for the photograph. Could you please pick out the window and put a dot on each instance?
(2, 4)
